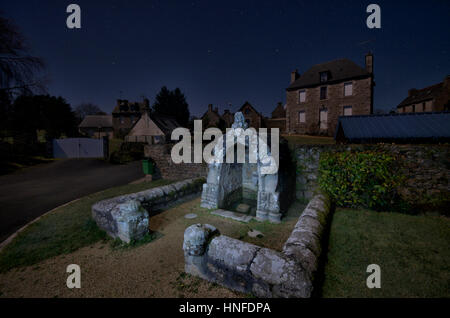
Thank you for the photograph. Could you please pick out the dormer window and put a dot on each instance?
(323, 77)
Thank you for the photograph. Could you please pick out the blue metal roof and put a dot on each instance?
(392, 127)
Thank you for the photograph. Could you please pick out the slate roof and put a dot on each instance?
(166, 123)
(338, 70)
(394, 127)
(96, 121)
(422, 95)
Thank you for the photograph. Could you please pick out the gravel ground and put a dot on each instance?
(155, 269)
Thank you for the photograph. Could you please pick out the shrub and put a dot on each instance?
(129, 151)
(361, 179)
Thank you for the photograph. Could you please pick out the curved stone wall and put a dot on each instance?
(261, 271)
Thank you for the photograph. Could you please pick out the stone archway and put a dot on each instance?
(233, 182)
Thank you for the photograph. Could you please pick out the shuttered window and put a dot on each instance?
(347, 110)
(348, 89)
(302, 96)
(323, 119)
(301, 116)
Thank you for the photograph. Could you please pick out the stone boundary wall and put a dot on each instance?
(426, 168)
(263, 272)
(169, 170)
(127, 216)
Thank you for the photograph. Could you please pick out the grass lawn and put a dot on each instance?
(413, 253)
(63, 231)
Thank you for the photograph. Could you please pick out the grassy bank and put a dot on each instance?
(64, 230)
(412, 251)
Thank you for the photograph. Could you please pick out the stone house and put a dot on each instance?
(228, 117)
(96, 126)
(434, 98)
(152, 129)
(252, 117)
(126, 114)
(278, 119)
(316, 99)
(211, 118)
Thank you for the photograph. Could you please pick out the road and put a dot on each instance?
(29, 193)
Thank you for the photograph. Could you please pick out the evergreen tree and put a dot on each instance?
(172, 103)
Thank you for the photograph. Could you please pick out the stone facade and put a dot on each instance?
(228, 117)
(252, 117)
(167, 169)
(211, 118)
(360, 101)
(434, 98)
(261, 271)
(126, 114)
(315, 100)
(425, 167)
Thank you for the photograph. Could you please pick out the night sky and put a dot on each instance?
(223, 52)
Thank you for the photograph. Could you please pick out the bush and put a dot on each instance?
(129, 151)
(361, 179)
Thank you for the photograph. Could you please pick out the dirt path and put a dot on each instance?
(155, 269)
(151, 270)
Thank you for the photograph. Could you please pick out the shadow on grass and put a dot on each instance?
(63, 231)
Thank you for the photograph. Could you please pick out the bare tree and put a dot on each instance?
(85, 109)
(17, 67)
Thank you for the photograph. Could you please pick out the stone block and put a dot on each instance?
(196, 238)
(126, 221)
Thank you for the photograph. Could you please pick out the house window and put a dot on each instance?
(132, 118)
(323, 77)
(302, 96)
(122, 120)
(413, 108)
(247, 111)
(323, 92)
(323, 118)
(348, 89)
(347, 110)
(301, 117)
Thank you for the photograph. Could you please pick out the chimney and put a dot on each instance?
(210, 107)
(294, 76)
(412, 91)
(369, 62)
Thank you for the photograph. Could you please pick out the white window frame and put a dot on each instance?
(300, 94)
(323, 123)
(300, 113)
(351, 92)
(347, 107)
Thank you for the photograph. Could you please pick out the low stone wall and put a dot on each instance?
(127, 216)
(261, 271)
(167, 169)
(425, 167)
